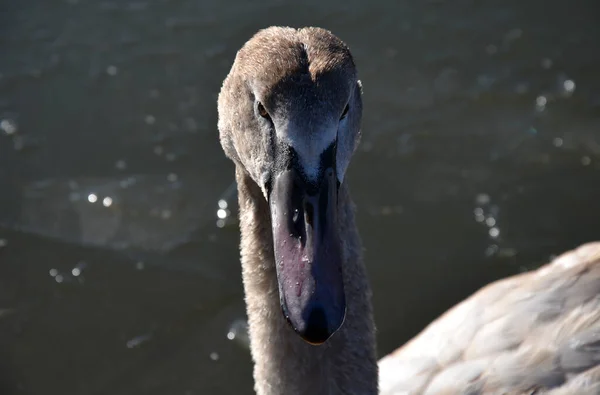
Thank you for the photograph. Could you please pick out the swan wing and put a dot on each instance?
(536, 332)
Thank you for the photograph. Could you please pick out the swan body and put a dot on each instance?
(289, 118)
(537, 332)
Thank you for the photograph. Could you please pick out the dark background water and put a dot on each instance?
(480, 159)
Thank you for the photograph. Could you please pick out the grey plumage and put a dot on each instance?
(284, 363)
(537, 332)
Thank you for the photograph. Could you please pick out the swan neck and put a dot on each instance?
(283, 362)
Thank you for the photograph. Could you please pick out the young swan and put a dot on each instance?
(289, 118)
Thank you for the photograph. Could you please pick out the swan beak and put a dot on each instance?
(308, 254)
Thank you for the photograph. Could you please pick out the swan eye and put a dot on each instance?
(262, 111)
(345, 112)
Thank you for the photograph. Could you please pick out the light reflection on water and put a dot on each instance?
(227, 207)
(118, 215)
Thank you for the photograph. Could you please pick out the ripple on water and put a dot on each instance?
(146, 212)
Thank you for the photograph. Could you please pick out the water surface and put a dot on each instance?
(480, 159)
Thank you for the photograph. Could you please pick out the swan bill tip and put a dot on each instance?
(317, 329)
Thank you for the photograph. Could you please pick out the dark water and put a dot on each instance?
(480, 159)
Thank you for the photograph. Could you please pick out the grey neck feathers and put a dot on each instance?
(284, 363)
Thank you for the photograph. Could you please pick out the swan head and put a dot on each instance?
(289, 115)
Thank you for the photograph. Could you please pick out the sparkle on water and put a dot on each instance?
(494, 232)
(78, 269)
(150, 119)
(483, 198)
(121, 164)
(221, 213)
(569, 86)
(490, 221)
(586, 160)
(540, 103)
(486, 213)
(546, 63)
(224, 210)
(8, 126)
(238, 332)
(165, 214)
(138, 340)
(112, 70)
(558, 142)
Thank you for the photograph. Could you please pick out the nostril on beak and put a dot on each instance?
(309, 213)
(297, 225)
